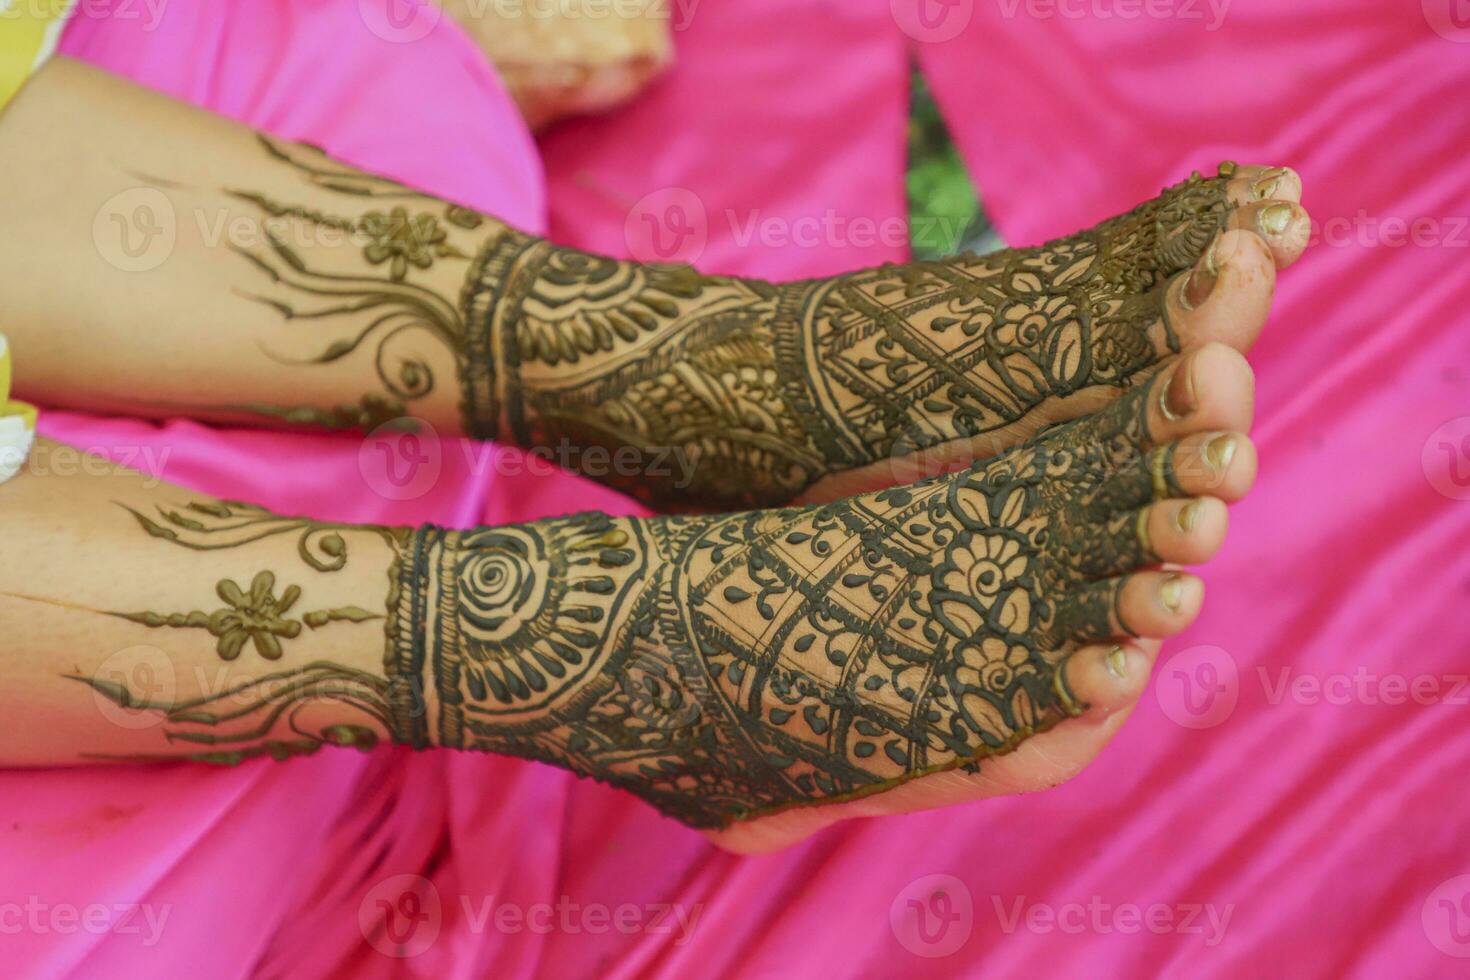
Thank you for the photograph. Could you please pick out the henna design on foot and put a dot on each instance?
(729, 667)
(761, 388)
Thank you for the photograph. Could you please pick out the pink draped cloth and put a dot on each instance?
(1288, 798)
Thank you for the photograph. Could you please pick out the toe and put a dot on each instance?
(1284, 226)
(1216, 464)
(1105, 679)
(1208, 388)
(1208, 464)
(1251, 184)
(1225, 297)
(1152, 604)
(1181, 532)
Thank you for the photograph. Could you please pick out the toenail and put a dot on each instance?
(1117, 662)
(1268, 183)
(1219, 451)
(1276, 219)
(1177, 401)
(1201, 282)
(1188, 516)
(1171, 593)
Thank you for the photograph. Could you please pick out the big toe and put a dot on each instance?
(1267, 203)
(1225, 297)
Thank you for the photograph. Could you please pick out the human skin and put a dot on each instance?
(729, 669)
(591, 642)
(282, 287)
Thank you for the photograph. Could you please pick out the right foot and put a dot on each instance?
(770, 667)
(729, 393)
(809, 391)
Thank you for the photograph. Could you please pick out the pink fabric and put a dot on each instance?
(1332, 834)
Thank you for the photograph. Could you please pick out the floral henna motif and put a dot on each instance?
(767, 388)
(728, 667)
(211, 723)
(760, 389)
(257, 617)
(721, 667)
(267, 715)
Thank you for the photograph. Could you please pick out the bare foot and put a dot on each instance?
(763, 674)
(813, 391)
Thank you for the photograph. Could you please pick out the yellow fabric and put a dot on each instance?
(28, 33)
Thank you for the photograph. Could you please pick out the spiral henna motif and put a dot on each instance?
(500, 593)
(711, 391)
(764, 388)
(729, 667)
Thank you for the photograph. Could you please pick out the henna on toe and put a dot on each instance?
(724, 393)
(774, 388)
(732, 667)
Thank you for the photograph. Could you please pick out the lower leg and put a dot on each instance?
(722, 668)
(331, 297)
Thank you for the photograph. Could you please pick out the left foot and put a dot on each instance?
(790, 668)
(783, 669)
